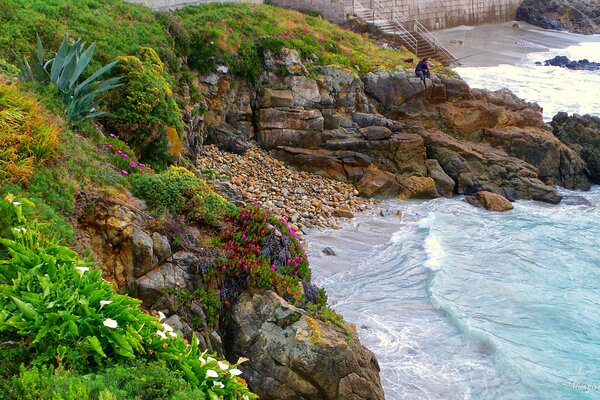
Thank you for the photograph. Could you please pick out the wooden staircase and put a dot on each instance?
(413, 34)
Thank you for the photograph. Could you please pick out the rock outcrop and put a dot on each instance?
(579, 16)
(384, 131)
(490, 201)
(294, 356)
(582, 135)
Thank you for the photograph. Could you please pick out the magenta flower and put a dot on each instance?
(132, 164)
(124, 172)
(112, 135)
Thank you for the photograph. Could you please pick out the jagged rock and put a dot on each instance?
(151, 286)
(227, 138)
(291, 127)
(582, 135)
(443, 183)
(342, 89)
(580, 16)
(320, 162)
(305, 91)
(378, 183)
(391, 88)
(417, 187)
(489, 201)
(477, 167)
(575, 201)
(294, 356)
(376, 133)
(230, 192)
(402, 154)
(143, 252)
(162, 248)
(287, 59)
(364, 120)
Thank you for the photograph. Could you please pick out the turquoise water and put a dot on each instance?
(461, 303)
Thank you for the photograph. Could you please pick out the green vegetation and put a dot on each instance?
(144, 107)
(68, 316)
(177, 190)
(142, 380)
(64, 71)
(237, 34)
(29, 137)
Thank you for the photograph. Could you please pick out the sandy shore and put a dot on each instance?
(491, 45)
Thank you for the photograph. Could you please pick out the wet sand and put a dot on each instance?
(507, 43)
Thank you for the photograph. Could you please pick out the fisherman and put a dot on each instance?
(422, 70)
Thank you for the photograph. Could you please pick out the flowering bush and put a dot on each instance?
(67, 315)
(124, 158)
(254, 236)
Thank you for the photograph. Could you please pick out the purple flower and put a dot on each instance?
(273, 267)
(112, 135)
(132, 164)
(124, 172)
(224, 267)
(292, 36)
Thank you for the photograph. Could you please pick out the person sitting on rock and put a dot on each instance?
(422, 70)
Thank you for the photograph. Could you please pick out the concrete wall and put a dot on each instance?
(163, 5)
(441, 14)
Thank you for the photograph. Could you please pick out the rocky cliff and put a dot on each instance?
(388, 134)
(580, 16)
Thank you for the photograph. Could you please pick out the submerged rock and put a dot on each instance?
(294, 356)
(562, 61)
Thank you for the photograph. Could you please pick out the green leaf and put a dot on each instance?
(59, 61)
(93, 343)
(26, 308)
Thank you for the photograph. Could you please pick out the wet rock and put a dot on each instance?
(328, 251)
(562, 61)
(417, 187)
(443, 183)
(575, 201)
(294, 356)
(490, 201)
(582, 135)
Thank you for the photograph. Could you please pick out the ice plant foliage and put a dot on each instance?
(124, 158)
(244, 242)
(59, 310)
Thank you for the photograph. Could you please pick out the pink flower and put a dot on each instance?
(112, 135)
(132, 164)
(292, 36)
(245, 266)
(224, 267)
(273, 267)
(124, 172)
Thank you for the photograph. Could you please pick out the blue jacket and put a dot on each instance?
(421, 66)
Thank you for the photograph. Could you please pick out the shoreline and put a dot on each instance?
(497, 44)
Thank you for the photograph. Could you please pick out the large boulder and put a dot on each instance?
(490, 201)
(294, 356)
(582, 135)
(443, 183)
(476, 167)
(580, 16)
(289, 127)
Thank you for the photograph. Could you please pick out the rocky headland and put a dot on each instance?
(579, 16)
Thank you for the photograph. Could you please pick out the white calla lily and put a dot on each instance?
(223, 366)
(110, 323)
(161, 334)
(235, 372)
(212, 374)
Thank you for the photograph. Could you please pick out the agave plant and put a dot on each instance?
(64, 71)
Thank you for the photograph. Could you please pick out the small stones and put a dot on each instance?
(306, 200)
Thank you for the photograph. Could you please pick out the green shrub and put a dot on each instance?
(177, 190)
(140, 381)
(144, 106)
(68, 316)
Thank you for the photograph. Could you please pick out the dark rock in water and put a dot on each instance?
(562, 61)
(575, 201)
(582, 135)
(580, 16)
(328, 251)
(490, 201)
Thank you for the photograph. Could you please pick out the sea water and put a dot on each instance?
(553, 88)
(461, 303)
